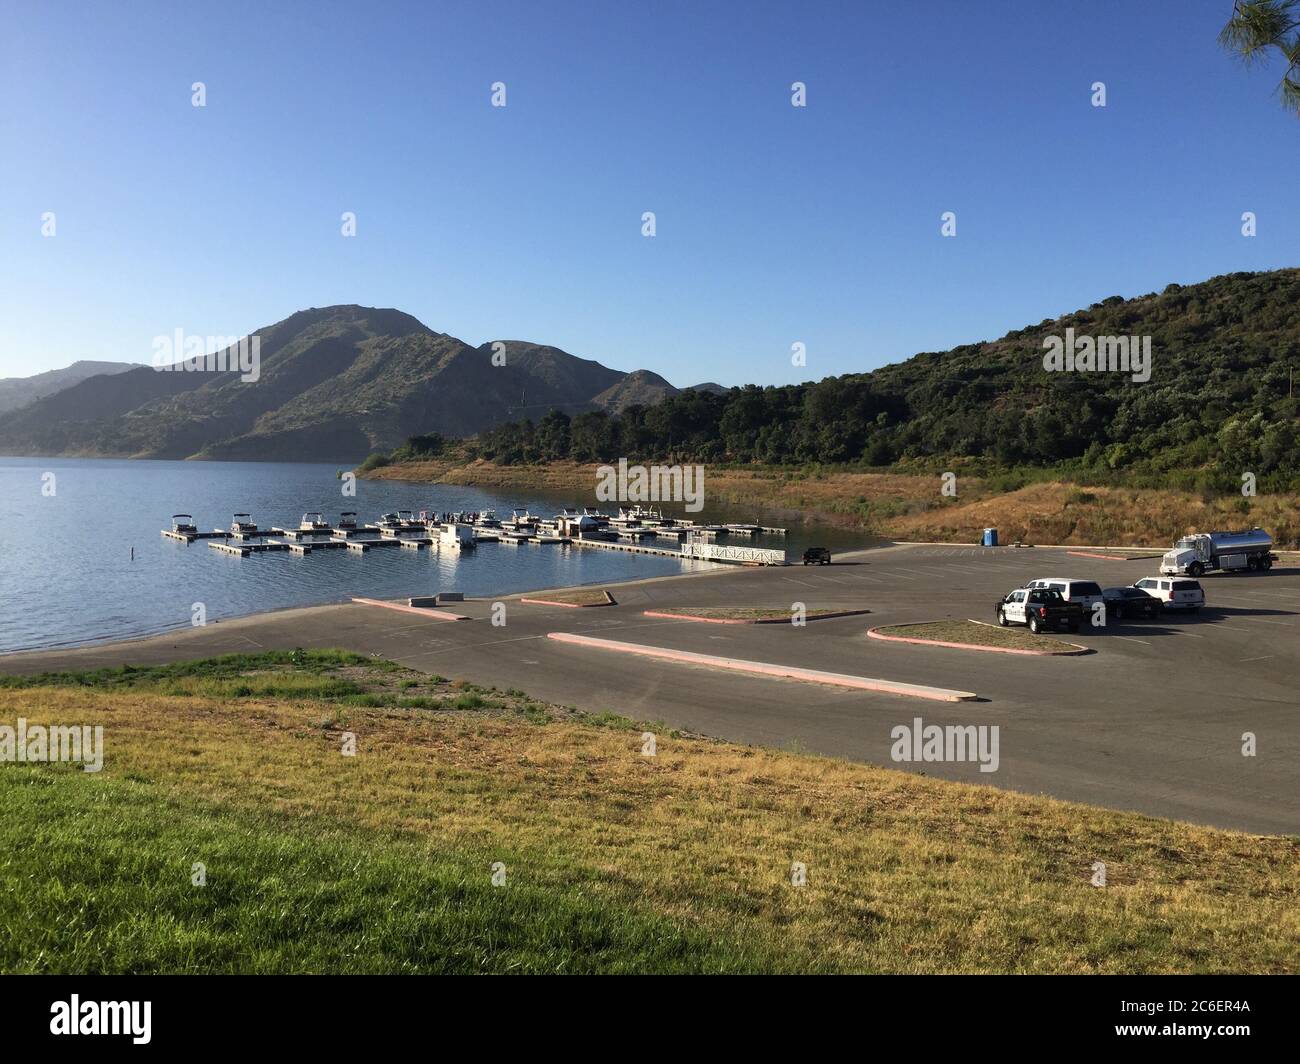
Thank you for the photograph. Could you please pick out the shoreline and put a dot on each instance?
(908, 506)
(257, 617)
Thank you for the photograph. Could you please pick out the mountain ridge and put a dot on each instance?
(16, 392)
(334, 383)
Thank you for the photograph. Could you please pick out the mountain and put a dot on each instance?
(640, 386)
(707, 386)
(334, 383)
(1216, 409)
(19, 391)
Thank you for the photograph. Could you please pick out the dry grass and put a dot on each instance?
(577, 596)
(980, 635)
(904, 873)
(750, 614)
(910, 507)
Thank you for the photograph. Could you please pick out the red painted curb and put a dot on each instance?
(419, 611)
(702, 620)
(874, 633)
(1107, 557)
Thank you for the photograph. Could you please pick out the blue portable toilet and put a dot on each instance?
(990, 537)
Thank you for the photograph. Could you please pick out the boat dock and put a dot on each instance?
(630, 548)
(243, 550)
(190, 537)
(630, 535)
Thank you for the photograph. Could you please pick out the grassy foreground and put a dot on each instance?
(908, 506)
(612, 860)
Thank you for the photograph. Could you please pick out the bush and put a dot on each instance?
(374, 461)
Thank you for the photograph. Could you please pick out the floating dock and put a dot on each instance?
(245, 549)
(616, 534)
(323, 544)
(630, 548)
(190, 537)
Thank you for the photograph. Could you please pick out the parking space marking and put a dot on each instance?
(1264, 658)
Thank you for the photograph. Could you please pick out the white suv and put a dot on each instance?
(1087, 593)
(1174, 593)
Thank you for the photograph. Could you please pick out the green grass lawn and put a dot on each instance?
(613, 860)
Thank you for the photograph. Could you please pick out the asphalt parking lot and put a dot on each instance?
(1153, 721)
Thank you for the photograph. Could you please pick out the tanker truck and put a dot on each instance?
(1202, 552)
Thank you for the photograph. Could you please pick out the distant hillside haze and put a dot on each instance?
(334, 384)
(19, 391)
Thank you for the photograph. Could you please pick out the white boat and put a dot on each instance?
(314, 521)
(183, 523)
(243, 524)
(522, 520)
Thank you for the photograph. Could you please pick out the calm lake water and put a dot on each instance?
(67, 575)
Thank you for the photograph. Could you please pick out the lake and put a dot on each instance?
(68, 575)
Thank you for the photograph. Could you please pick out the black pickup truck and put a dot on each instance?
(1040, 608)
(816, 556)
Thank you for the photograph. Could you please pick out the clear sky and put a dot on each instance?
(775, 224)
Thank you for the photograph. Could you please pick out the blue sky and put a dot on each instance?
(775, 224)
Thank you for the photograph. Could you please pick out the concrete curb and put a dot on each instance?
(609, 601)
(756, 620)
(419, 611)
(1108, 557)
(762, 668)
(1023, 546)
(875, 633)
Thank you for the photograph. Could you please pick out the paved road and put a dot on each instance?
(1152, 722)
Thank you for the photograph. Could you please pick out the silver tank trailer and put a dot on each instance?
(1201, 551)
(1231, 542)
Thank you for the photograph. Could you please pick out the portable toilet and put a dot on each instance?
(990, 537)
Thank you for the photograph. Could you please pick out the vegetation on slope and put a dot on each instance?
(612, 860)
(1219, 403)
(1032, 506)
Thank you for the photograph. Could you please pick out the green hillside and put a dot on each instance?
(1217, 404)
